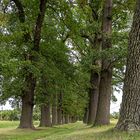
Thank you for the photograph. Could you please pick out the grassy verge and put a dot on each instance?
(76, 131)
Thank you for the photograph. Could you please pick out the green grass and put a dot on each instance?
(75, 131)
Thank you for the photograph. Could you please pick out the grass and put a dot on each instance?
(75, 131)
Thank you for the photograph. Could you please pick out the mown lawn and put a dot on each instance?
(75, 131)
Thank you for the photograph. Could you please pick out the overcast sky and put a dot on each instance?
(116, 106)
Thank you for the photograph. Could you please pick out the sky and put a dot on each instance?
(116, 106)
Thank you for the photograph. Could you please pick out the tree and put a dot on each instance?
(129, 113)
(54, 110)
(110, 57)
(45, 119)
(105, 87)
(30, 80)
(92, 33)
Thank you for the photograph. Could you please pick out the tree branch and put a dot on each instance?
(39, 22)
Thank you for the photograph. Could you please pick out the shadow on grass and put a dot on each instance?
(76, 131)
(29, 134)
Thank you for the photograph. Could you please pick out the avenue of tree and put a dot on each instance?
(67, 58)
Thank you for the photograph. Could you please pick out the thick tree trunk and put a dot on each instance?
(45, 120)
(94, 82)
(28, 103)
(103, 110)
(93, 97)
(54, 110)
(129, 119)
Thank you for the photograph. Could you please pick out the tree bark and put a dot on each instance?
(70, 119)
(59, 109)
(59, 115)
(103, 110)
(93, 97)
(66, 119)
(45, 120)
(27, 104)
(85, 118)
(54, 110)
(63, 118)
(129, 119)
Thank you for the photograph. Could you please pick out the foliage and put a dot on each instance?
(14, 115)
(11, 115)
(114, 115)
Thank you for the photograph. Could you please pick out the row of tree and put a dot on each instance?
(39, 68)
(65, 56)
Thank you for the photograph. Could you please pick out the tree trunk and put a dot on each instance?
(28, 103)
(45, 120)
(54, 115)
(73, 118)
(66, 119)
(70, 119)
(63, 118)
(85, 118)
(59, 109)
(94, 81)
(129, 119)
(103, 110)
(54, 110)
(59, 115)
(93, 97)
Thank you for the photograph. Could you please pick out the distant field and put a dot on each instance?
(75, 131)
